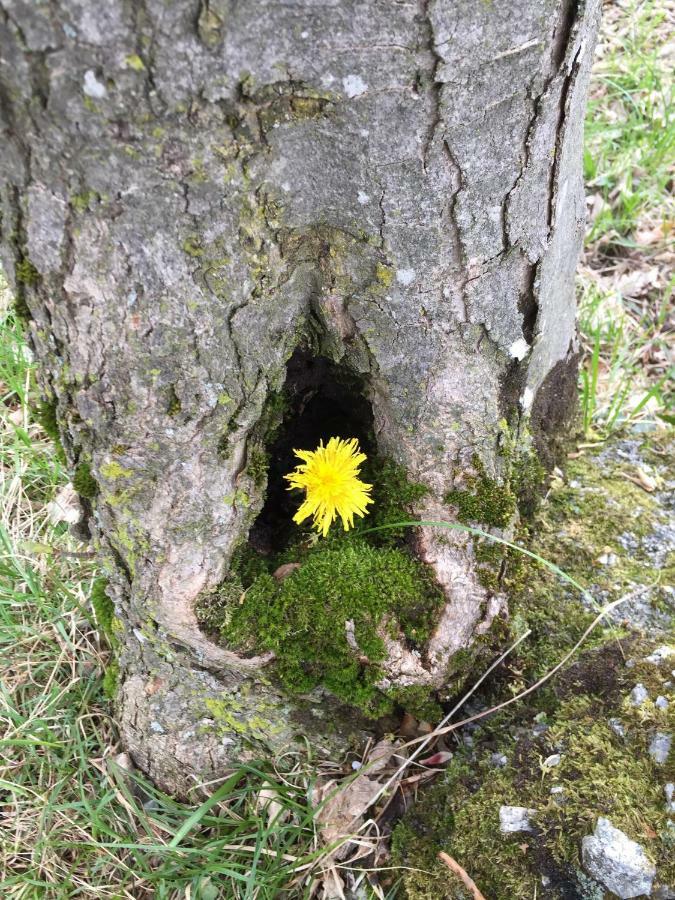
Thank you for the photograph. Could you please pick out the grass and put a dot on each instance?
(626, 282)
(74, 822)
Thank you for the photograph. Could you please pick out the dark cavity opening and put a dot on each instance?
(321, 400)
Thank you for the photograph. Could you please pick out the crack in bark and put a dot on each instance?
(436, 86)
(560, 133)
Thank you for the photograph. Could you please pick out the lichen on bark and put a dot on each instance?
(194, 191)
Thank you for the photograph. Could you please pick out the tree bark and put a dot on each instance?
(195, 193)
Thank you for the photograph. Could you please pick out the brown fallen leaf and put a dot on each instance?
(285, 570)
(343, 805)
(65, 507)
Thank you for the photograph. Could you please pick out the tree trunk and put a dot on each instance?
(379, 205)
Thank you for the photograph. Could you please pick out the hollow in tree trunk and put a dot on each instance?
(235, 229)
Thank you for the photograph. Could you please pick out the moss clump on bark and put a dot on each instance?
(326, 621)
(484, 501)
(108, 624)
(45, 414)
(84, 482)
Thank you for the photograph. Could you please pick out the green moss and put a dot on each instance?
(192, 245)
(485, 501)
(257, 463)
(247, 565)
(133, 61)
(174, 406)
(84, 482)
(45, 414)
(303, 619)
(111, 679)
(26, 273)
(233, 714)
(384, 275)
(83, 201)
(393, 497)
(600, 773)
(104, 608)
(417, 700)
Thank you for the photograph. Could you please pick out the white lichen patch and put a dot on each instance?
(354, 86)
(363, 198)
(405, 276)
(519, 349)
(92, 87)
(527, 399)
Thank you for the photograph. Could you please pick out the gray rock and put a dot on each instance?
(663, 892)
(552, 760)
(638, 695)
(617, 862)
(515, 818)
(499, 760)
(659, 747)
(660, 654)
(661, 702)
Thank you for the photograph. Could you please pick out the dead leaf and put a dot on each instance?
(16, 416)
(268, 802)
(333, 887)
(437, 759)
(343, 805)
(285, 570)
(408, 726)
(65, 507)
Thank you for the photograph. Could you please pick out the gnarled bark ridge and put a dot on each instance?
(191, 192)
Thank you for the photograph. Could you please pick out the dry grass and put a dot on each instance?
(626, 277)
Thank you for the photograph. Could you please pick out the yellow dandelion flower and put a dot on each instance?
(329, 478)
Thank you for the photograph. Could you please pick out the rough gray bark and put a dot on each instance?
(191, 188)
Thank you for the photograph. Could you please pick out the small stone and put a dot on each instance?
(638, 695)
(660, 654)
(661, 702)
(499, 760)
(617, 728)
(539, 729)
(156, 727)
(617, 862)
(663, 892)
(515, 818)
(668, 791)
(608, 559)
(552, 760)
(92, 87)
(558, 794)
(659, 747)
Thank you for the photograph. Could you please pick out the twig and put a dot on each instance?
(461, 873)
